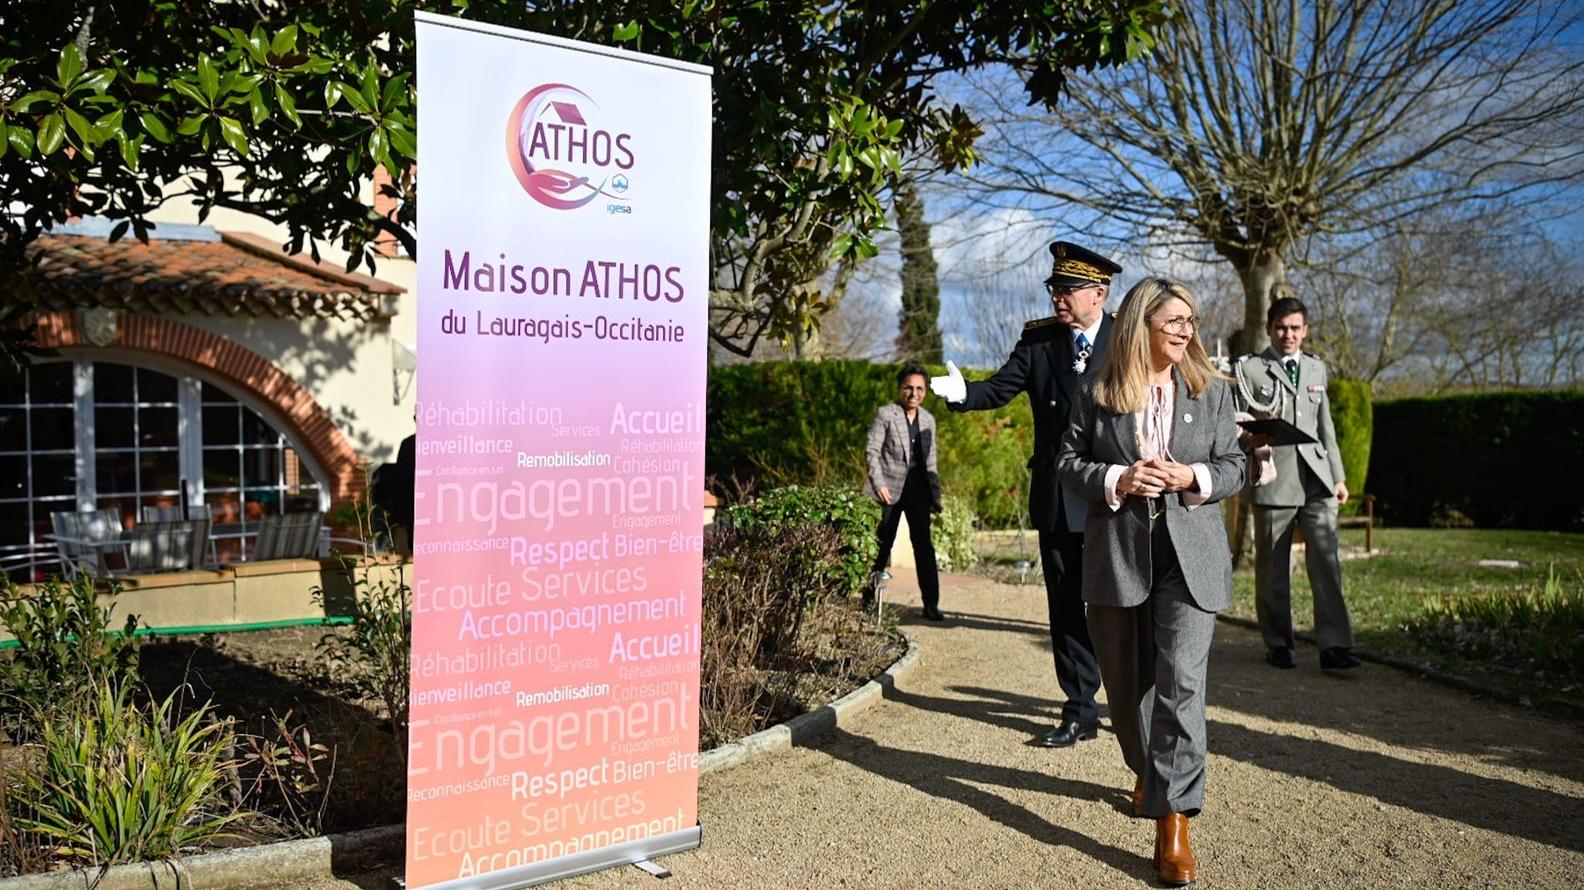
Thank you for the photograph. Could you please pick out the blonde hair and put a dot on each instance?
(1122, 384)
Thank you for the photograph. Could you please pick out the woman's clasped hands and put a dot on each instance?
(1151, 478)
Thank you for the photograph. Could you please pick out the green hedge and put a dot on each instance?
(803, 423)
(1353, 414)
(1498, 460)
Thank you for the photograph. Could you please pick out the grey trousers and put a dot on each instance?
(1273, 534)
(1153, 660)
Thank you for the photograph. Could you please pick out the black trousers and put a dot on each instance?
(1077, 672)
(914, 502)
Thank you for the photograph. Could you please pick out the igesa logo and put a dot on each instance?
(563, 161)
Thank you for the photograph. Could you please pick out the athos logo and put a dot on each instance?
(562, 161)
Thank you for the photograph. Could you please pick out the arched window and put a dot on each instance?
(84, 434)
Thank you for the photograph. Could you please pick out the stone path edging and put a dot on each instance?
(283, 864)
(799, 729)
(289, 863)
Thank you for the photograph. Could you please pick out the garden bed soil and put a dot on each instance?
(253, 675)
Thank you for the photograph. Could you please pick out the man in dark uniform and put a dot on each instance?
(1051, 361)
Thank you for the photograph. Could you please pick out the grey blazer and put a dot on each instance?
(1116, 564)
(886, 451)
(1306, 407)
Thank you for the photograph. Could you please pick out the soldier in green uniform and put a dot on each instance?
(1284, 382)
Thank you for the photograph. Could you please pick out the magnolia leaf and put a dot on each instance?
(208, 78)
(231, 131)
(98, 80)
(27, 101)
(285, 40)
(153, 126)
(288, 105)
(87, 135)
(68, 66)
(51, 133)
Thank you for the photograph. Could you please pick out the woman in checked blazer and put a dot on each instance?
(1149, 444)
(900, 453)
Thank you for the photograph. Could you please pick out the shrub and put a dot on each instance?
(759, 579)
(66, 645)
(952, 532)
(1353, 414)
(122, 782)
(849, 515)
(290, 776)
(1473, 457)
(1538, 631)
(803, 423)
(375, 653)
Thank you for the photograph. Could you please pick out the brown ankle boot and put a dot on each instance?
(1174, 859)
(1138, 798)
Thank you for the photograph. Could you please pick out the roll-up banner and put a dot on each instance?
(562, 298)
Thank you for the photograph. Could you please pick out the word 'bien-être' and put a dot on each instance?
(599, 279)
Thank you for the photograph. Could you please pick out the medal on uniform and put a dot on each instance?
(1082, 361)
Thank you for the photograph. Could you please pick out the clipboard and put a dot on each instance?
(1280, 431)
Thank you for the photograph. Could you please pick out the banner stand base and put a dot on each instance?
(650, 867)
(533, 874)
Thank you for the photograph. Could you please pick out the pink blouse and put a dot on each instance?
(1154, 428)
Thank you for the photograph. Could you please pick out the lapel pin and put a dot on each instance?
(1187, 418)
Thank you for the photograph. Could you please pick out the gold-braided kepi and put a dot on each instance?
(1074, 266)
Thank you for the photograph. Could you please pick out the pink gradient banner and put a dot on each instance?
(563, 295)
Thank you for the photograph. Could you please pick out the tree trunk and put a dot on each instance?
(1264, 279)
(807, 345)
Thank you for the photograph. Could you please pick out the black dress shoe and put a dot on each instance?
(1282, 657)
(1070, 733)
(933, 614)
(1338, 658)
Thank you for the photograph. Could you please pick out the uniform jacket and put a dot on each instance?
(1041, 364)
(1116, 564)
(887, 450)
(1306, 407)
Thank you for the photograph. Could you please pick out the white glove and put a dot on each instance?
(952, 387)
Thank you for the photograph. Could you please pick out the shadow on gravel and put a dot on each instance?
(993, 623)
(1006, 710)
(949, 778)
(1382, 710)
(1477, 801)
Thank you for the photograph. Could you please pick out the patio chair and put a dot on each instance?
(288, 536)
(195, 513)
(84, 538)
(166, 546)
(30, 562)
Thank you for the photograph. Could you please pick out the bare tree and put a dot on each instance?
(1449, 300)
(1257, 125)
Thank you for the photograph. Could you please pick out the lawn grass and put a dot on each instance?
(1388, 591)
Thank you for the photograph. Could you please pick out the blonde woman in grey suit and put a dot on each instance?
(1148, 445)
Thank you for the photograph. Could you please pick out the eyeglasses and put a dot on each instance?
(1065, 290)
(1180, 324)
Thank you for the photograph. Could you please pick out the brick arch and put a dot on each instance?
(236, 364)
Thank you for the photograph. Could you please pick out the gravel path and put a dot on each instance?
(1372, 780)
